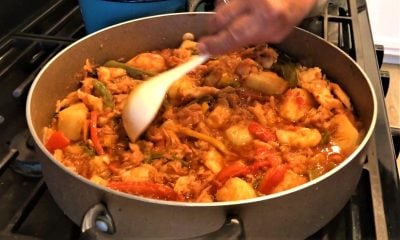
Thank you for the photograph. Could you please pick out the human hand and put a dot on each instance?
(244, 22)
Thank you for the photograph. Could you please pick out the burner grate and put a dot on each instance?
(38, 217)
(37, 42)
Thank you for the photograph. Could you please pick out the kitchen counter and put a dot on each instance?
(393, 97)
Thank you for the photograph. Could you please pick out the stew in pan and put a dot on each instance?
(245, 124)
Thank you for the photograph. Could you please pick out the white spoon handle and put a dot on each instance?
(169, 77)
(144, 102)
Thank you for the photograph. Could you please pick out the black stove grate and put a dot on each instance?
(28, 210)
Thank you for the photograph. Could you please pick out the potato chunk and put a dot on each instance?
(238, 134)
(345, 134)
(296, 103)
(235, 189)
(149, 62)
(290, 180)
(71, 120)
(142, 173)
(266, 82)
(179, 86)
(213, 160)
(300, 137)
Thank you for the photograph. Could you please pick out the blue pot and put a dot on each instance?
(98, 14)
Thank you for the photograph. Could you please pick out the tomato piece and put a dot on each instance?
(57, 140)
(147, 189)
(261, 132)
(234, 170)
(114, 167)
(93, 133)
(264, 154)
(272, 178)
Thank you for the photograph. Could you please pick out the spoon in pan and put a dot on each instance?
(145, 100)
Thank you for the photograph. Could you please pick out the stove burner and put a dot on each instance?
(26, 162)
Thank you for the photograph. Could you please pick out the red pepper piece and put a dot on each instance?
(234, 170)
(272, 178)
(57, 140)
(147, 189)
(93, 133)
(261, 132)
(238, 169)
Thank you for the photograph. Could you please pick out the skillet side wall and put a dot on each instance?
(296, 214)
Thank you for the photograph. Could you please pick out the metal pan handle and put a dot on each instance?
(97, 224)
(192, 5)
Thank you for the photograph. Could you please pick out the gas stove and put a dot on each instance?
(36, 30)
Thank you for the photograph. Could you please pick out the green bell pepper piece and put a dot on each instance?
(102, 91)
(132, 71)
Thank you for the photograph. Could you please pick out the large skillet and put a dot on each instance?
(295, 213)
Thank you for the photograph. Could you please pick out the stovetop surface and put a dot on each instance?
(27, 210)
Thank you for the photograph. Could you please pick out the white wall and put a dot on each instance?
(385, 23)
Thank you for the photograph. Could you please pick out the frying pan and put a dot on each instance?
(292, 214)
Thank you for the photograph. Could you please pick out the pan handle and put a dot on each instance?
(193, 4)
(97, 224)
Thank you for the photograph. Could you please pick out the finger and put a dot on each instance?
(242, 32)
(254, 30)
(226, 13)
